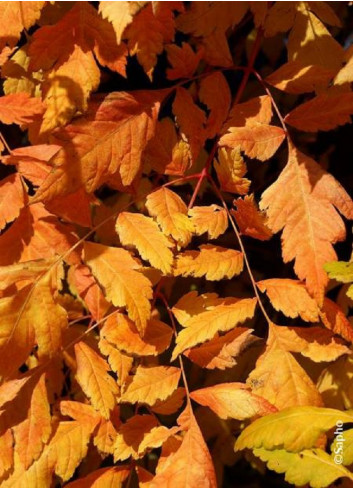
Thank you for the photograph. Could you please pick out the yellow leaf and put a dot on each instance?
(310, 43)
(213, 262)
(151, 384)
(210, 219)
(314, 467)
(335, 383)
(120, 14)
(39, 474)
(345, 75)
(204, 326)
(293, 429)
(97, 384)
(143, 233)
(170, 212)
(232, 400)
(17, 76)
(117, 271)
(307, 194)
(291, 298)
(231, 168)
(286, 386)
(67, 89)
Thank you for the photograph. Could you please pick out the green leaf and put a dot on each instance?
(293, 429)
(314, 467)
(340, 270)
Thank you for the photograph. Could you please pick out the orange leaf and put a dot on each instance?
(221, 350)
(191, 120)
(250, 220)
(230, 168)
(322, 113)
(286, 386)
(172, 404)
(334, 319)
(120, 363)
(150, 384)
(122, 333)
(16, 16)
(92, 375)
(151, 29)
(232, 400)
(33, 433)
(202, 327)
(81, 26)
(131, 435)
(213, 262)
(210, 219)
(12, 199)
(87, 157)
(118, 272)
(307, 194)
(183, 60)
(170, 212)
(106, 477)
(291, 298)
(89, 291)
(215, 94)
(295, 78)
(167, 152)
(177, 471)
(19, 108)
(316, 343)
(36, 234)
(143, 233)
(258, 141)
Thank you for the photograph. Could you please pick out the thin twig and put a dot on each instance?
(181, 363)
(252, 279)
